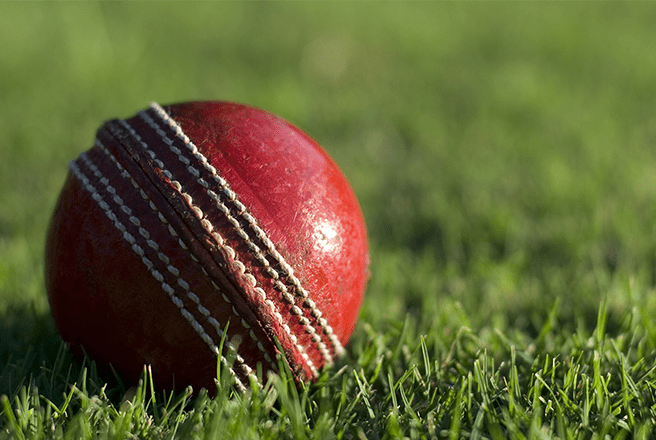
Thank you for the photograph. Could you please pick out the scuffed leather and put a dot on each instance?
(106, 302)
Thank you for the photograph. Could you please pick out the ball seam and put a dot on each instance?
(181, 243)
(257, 252)
(95, 195)
(208, 227)
(242, 211)
(204, 311)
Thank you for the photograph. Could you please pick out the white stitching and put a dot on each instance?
(206, 224)
(173, 233)
(209, 228)
(163, 219)
(163, 257)
(243, 322)
(243, 212)
(149, 264)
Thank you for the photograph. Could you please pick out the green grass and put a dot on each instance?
(505, 158)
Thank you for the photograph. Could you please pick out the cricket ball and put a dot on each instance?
(203, 233)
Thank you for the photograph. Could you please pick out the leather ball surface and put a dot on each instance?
(192, 223)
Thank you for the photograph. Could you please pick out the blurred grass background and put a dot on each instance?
(504, 154)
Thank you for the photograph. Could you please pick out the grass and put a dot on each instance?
(504, 158)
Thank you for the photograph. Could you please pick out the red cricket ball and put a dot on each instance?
(188, 219)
